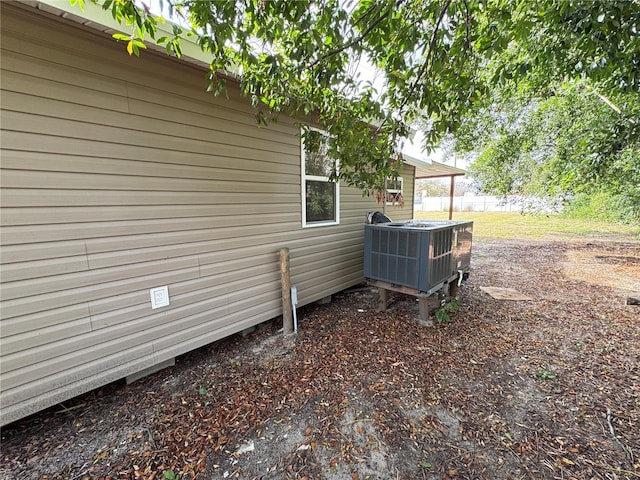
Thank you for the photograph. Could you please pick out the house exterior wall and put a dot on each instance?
(121, 174)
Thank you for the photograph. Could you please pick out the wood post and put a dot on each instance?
(423, 299)
(382, 299)
(287, 309)
(423, 306)
(451, 192)
(453, 288)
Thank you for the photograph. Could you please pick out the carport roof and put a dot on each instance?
(432, 169)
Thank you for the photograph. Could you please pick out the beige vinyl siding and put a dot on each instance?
(121, 174)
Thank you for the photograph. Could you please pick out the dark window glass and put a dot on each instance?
(320, 201)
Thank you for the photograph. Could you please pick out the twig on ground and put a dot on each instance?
(358, 420)
(627, 451)
(69, 409)
(612, 469)
(82, 473)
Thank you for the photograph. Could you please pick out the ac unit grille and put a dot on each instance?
(441, 241)
(403, 243)
(394, 256)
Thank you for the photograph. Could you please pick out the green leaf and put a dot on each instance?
(169, 475)
(177, 49)
(425, 464)
(121, 36)
(546, 375)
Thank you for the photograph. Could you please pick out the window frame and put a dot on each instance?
(394, 191)
(316, 178)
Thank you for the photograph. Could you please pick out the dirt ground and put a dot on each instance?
(547, 388)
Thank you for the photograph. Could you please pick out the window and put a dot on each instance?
(321, 196)
(394, 191)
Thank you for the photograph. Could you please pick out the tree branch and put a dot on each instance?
(427, 61)
(467, 23)
(423, 68)
(607, 102)
(368, 12)
(354, 41)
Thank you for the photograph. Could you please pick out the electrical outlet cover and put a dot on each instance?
(159, 297)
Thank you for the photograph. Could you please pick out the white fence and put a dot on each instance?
(471, 203)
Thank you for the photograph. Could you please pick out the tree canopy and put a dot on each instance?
(563, 147)
(441, 61)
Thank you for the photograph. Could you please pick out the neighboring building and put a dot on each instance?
(121, 174)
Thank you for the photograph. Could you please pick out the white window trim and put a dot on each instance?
(395, 190)
(303, 189)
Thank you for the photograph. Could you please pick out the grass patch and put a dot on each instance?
(515, 225)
